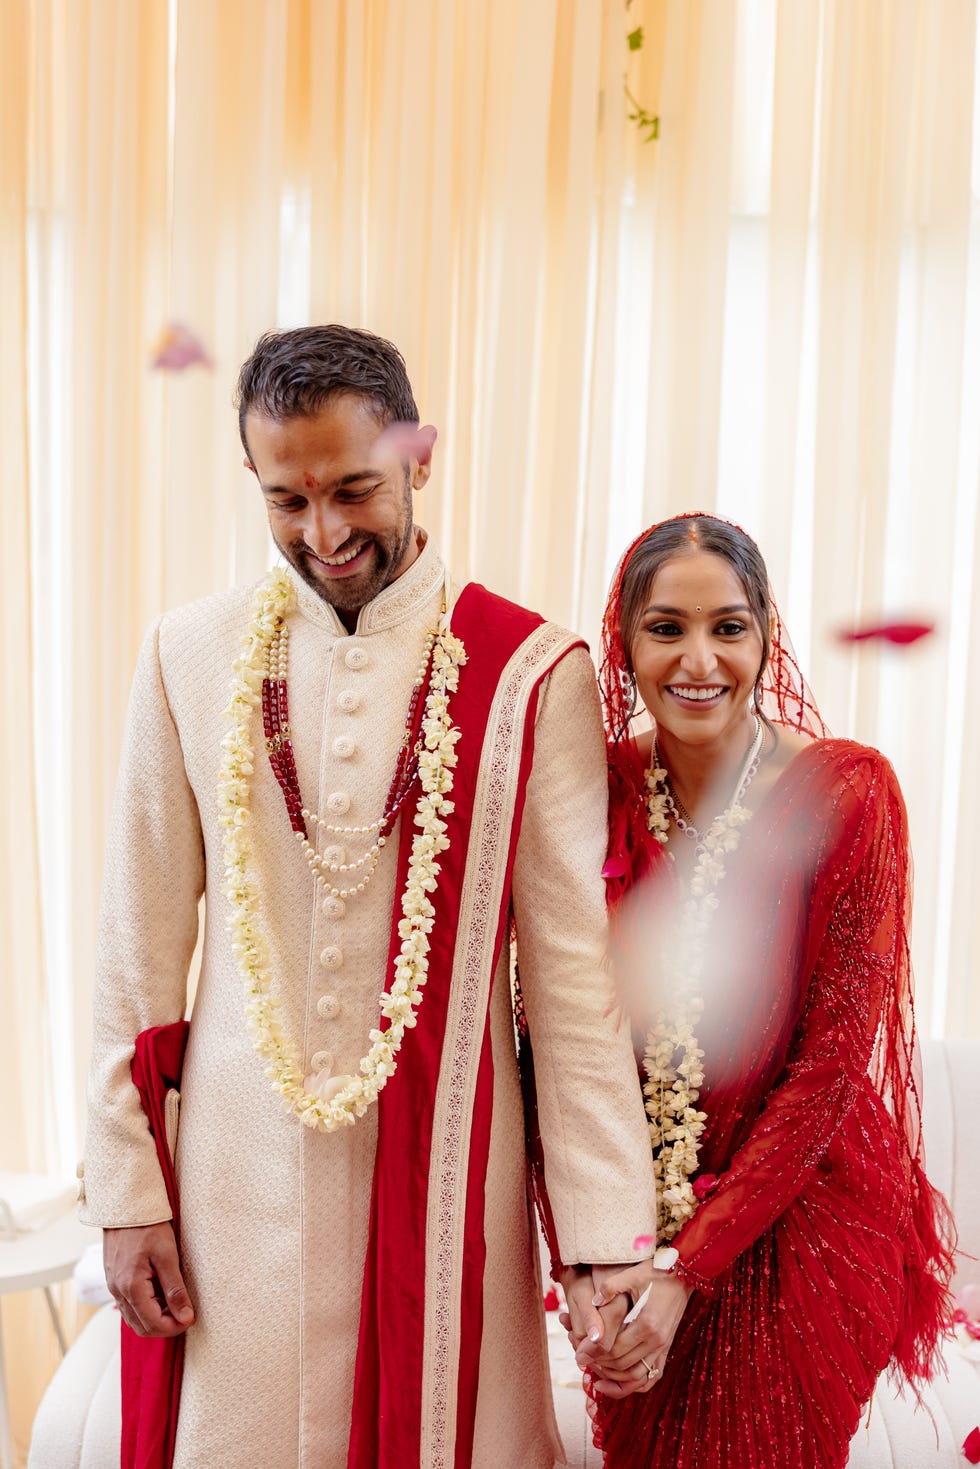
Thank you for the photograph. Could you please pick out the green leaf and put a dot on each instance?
(635, 39)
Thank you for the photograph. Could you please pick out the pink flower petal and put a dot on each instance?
(899, 633)
(177, 348)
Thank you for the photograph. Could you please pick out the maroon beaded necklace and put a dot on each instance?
(279, 745)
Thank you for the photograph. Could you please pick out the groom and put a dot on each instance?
(363, 1289)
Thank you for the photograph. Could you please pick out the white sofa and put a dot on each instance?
(77, 1425)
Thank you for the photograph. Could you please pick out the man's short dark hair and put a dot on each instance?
(293, 374)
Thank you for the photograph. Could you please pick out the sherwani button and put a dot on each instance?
(321, 1061)
(334, 907)
(331, 957)
(333, 855)
(348, 702)
(343, 747)
(338, 803)
(328, 1006)
(356, 658)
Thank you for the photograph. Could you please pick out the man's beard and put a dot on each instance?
(349, 593)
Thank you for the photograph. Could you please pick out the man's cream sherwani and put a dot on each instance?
(275, 1217)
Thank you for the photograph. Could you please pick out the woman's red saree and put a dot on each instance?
(822, 1254)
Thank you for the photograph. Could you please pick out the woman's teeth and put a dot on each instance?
(696, 692)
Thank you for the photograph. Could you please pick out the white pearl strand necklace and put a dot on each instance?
(322, 870)
(672, 802)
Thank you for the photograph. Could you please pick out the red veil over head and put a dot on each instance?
(784, 696)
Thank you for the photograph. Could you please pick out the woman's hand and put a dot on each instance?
(590, 1330)
(636, 1359)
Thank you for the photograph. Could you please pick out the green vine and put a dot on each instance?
(647, 122)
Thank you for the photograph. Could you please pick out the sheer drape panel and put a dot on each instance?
(26, 1099)
(463, 227)
(893, 221)
(229, 172)
(919, 527)
(792, 162)
(107, 545)
(30, 1097)
(690, 242)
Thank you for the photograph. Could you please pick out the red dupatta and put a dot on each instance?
(421, 1325)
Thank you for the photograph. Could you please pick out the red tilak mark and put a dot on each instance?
(310, 482)
(900, 633)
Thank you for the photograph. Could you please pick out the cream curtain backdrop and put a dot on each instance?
(772, 311)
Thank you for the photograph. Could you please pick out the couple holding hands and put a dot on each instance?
(387, 788)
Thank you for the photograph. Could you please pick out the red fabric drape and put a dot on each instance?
(387, 1410)
(152, 1367)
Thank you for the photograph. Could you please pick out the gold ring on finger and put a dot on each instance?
(652, 1372)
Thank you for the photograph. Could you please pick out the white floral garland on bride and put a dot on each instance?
(346, 1097)
(672, 1056)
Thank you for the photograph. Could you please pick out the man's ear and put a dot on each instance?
(425, 442)
(249, 465)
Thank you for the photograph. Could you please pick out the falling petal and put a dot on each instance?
(899, 633)
(177, 348)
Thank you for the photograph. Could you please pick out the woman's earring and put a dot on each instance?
(628, 682)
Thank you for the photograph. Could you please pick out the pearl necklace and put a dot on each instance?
(658, 775)
(278, 744)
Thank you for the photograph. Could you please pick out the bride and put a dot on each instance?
(759, 872)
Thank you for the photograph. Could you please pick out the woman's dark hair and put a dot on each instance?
(292, 374)
(679, 537)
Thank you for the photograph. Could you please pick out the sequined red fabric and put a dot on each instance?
(822, 1255)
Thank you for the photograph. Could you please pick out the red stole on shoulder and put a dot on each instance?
(418, 1356)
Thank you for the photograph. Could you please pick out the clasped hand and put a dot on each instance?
(622, 1359)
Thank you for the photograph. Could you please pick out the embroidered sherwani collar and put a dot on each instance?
(399, 601)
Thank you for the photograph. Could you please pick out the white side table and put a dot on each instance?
(38, 1259)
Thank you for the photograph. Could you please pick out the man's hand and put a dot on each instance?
(142, 1271)
(591, 1331)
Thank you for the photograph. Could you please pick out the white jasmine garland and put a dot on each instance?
(350, 1096)
(672, 1057)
